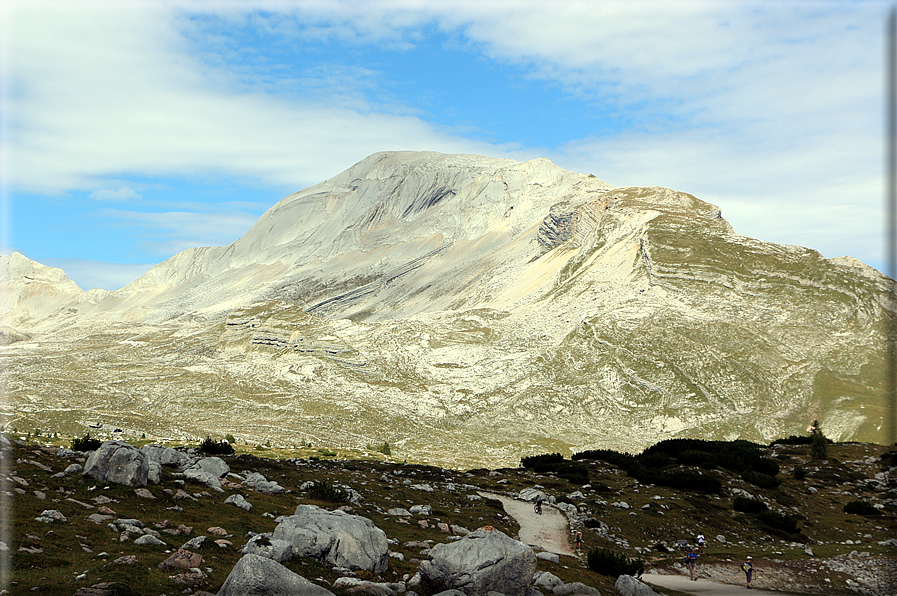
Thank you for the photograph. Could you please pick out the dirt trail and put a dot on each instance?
(548, 531)
(702, 587)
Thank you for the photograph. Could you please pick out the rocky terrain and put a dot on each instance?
(466, 310)
(123, 520)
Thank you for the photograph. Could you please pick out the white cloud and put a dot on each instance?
(97, 274)
(122, 193)
(772, 110)
(175, 231)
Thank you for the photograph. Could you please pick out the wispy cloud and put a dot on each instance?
(122, 193)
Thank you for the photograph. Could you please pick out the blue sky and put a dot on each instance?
(134, 130)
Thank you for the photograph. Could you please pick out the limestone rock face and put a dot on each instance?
(469, 308)
(485, 560)
(259, 576)
(336, 538)
(119, 462)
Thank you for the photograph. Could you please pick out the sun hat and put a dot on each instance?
(749, 558)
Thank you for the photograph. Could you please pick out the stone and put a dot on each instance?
(550, 557)
(144, 493)
(548, 581)
(194, 543)
(213, 465)
(118, 462)
(627, 585)
(239, 501)
(217, 531)
(272, 548)
(149, 540)
(336, 538)
(260, 484)
(204, 477)
(166, 456)
(486, 559)
(49, 516)
(459, 530)
(720, 538)
(99, 518)
(154, 473)
(577, 589)
(259, 576)
(182, 559)
(399, 511)
(74, 469)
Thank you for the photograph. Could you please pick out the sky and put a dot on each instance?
(131, 130)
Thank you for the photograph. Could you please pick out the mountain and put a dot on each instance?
(467, 310)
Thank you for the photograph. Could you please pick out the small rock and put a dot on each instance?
(547, 556)
(217, 531)
(182, 559)
(239, 501)
(149, 540)
(49, 516)
(144, 493)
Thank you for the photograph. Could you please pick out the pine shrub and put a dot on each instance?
(86, 443)
(607, 562)
(216, 447)
(860, 508)
(748, 505)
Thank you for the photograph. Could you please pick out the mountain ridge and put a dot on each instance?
(440, 301)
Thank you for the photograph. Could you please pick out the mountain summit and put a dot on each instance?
(466, 310)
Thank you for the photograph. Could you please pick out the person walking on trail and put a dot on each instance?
(701, 542)
(577, 539)
(748, 569)
(538, 506)
(692, 560)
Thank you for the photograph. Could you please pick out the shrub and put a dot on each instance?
(537, 461)
(798, 473)
(760, 479)
(216, 447)
(748, 505)
(324, 491)
(607, 562)
(793, 440)
(86, 443)
(679, 478)
(230, 438)
(860, 508)
(384, 449)
(701, 459)
(779, 521)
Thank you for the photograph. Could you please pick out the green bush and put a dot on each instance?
(216, 447)
(385, 449)
(860, 508)
(546, 460)
(324, 491)
(607, 562)
(86, 443)
(779, 521)
(748, 505)
(798, 473)
(793, 440)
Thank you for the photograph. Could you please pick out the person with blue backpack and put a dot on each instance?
(691, 559)
(748, 569)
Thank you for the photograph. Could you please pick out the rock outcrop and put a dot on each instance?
(336, 538)
(484, 560)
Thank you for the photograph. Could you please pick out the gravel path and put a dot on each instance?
(548, 531)
(702, 587)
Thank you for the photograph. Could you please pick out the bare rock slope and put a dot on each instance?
(466, 310)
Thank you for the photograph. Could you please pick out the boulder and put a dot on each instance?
(118, 462)
(203, 477)
(213, 465)
(239, 501)
(629, 586)
(149, 540)
(259, 576)
(484, 560)
(182, 559)
(548, 582)
(336, 538)
(260, 484)
(271, 548)
(166, 456)
(49, 516)
(577, 589)
(154, 473)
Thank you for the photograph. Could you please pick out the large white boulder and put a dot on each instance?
(336, 538)
(485, 560)
(270, 548)
(118, 462)
(629, 586)
(259, 576)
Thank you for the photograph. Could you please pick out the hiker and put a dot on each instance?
(701, 542)
(748, 569)
(577, 539)
(692, 560)
(538, 507)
